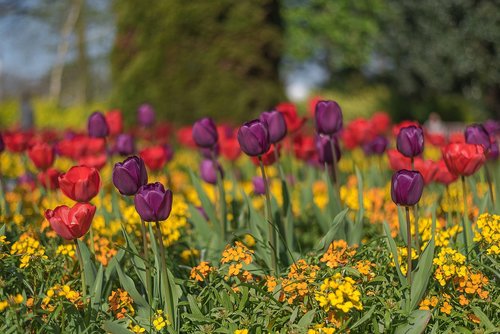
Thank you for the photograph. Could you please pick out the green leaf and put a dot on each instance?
(205, 202)
(325, 242)
(115, 327)
(110, 269)
(97, 288)
(306, 320)
(402, 225)
(417, 322)
(394, 251)
(88, 265)
(203, 229)
(129, 286)
(139, 264)
(364, 318)
(485, 321)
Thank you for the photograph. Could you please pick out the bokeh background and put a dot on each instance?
(232, 59)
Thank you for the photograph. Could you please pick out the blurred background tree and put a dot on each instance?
(194, 58)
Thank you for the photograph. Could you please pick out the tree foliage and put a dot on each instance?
(198, 57)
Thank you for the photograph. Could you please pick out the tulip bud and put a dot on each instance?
(154, 157)
(259, 187)
(253, 137)
(97, 126)
(493, 153)
(324, 149)
(42, 155)
(209, 172)
(205, 133)
(130, 175)
(125, 144)
(406, 187)
(80, 183)
(376, 146)
(328, 117)
(410, 141)
(153, 203)
(145, 115)
(114, 119)
(169, 152)
(275, 123)
(71, 223)
(492, 126)
(49, 179)
(477, 134)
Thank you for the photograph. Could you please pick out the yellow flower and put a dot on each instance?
(189, 254)
(446, 308)
(137, 329)
(339, 293)
(241, 331)
(159, 321)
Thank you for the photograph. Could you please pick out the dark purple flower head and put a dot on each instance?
(493, 153)
(153, 203)
(275, 123)
(410, 141)
(253, 137)
(146, 115)
(125, 144)
(130, 175)
(208, 171)
(477, 134)
(169, 152)
(324, 149)
(259, 187)
(376, 146)
(2, 144)
(406, 187)
(205, 133)
(328, 117)
(208, 153)
(97, 126)
(492, 126)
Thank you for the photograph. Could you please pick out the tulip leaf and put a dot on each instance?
(88, 265)
(417, 322)
(2, 230)
(129, 286)
(110, 269)
(364, 318)
(391, 245)
(139, 264)
(205, 202)
(361, 211)
(402, 224)
(97, 288)
(325, 242)
(485, 321)
(115, 327)
(307, 319)
(202, 228)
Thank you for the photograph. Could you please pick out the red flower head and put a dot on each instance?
(443, 175)
(463, 159)
(358, 132)
(436, 139)
(304, 147)
(312, 105)
(289, 111)
(71, 223)
(457, 137)
(185, 137)
(42, 155)
(97, 161)
(49, 179)
(381, 122)
(17, 141)
(427, 168)
(268, 158)
(80, 183)
(398, 161)
(114, 119)
(154, 157)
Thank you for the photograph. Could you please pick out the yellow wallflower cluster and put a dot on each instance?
(365, 268)
(338, 254)
(488, 234)
(237, 255)
(68, 250)
(241, 331)
(443, 234)
(339, 293)
(453, 200)
(137, 329)
(403, 258)
(120, 303)
(103, 250)
(171, 229)
(159, 321)
(11, 300)
(428, 303)
(188, 255)
(473, 283)
(298, 281)
(201, 271)
(61, 291)
(107, 230)
(450, 265)
(29, 249)
(320, 194)
(319, 329)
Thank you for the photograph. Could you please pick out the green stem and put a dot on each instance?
(408, 236)
(169, 305)
(466, 223)
(222, 196)
(272, 229)
(146, 259)
(488, 178)
(80, 261)
(334, 165)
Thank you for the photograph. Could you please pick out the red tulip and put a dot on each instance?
(114, 119)
(427, 168)
(185, 137)
(304, 147)
(49, 179)
(154, 157)
(42, 155)
(443, 175)
(463, 159)
(289, 111)
(17, 141)
(80, 183)
(381, 122)
(71, 223)
(457, 137)
(268, 158)
(398, 161)
(97, 161)
(358, 132)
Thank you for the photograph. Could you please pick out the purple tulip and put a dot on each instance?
(328, 117)
(406, 187)
(130, 175)
(2, 144)
(208, 153)
(492, 126)
(169, 152)
(258, 185)
(125, 144)
(205, 133)
(410, 141)
(153, 203)
(146, 115)
(97, 125)
(493, 153)
(324, 149)
(276, 125)
(253, 137)
(208, 172)
(477, 134)
(376, 146)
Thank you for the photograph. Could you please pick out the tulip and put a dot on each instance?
(71, 223)
(493, 153)
(2, 144)
(410, 141)
(27, 180)
(324, 149)
(17, 141)
(427, 168)
(492, 126)
(443, 175)
(253, 137)
(153, 203)
(114, 120)
(97, 161)
(268, 158)
(463, 159)
(477, 134)
(146, 115)
(359, 131)
(275, 123)
(289, 112)
(169, 152)
(304, 147)
(80, 183)
(125, 144)
(97, 126)
(328, 117)
(398, 161)
(205, 133)
(49, 178)
(209, 153)
(130, 175)
(381, 122)
(259, 188)
(406, 187)
(42, 155)
(209, 172)
(376, 146)
(154, 157)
